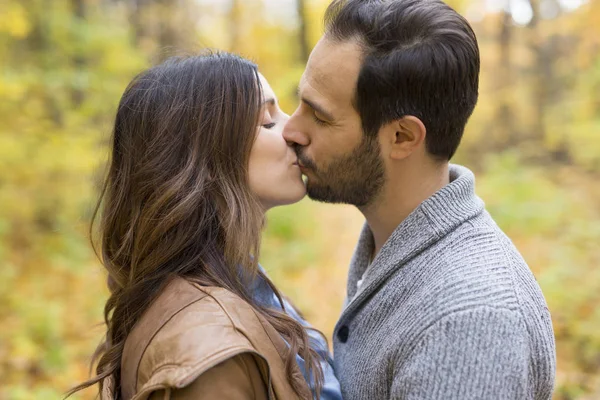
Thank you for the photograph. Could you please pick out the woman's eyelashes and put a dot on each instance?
(269, 126)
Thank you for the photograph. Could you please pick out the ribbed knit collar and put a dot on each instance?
(433, 219)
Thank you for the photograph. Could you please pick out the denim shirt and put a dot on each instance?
(264, 295)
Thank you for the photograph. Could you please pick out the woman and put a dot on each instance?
(197, 159)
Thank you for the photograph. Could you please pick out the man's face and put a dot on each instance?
(340, 163)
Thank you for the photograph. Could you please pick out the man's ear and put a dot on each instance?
(403, 136)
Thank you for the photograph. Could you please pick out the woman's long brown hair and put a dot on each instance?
(177, 203)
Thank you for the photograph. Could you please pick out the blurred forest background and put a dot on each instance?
(533, 143)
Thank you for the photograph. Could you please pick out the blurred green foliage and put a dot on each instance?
(533, 142)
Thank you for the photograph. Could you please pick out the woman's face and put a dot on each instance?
(275, 177)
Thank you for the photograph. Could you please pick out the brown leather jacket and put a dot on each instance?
(197, 342)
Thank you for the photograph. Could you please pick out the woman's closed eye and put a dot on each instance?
(269, 126)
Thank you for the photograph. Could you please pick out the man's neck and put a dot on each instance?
(399, 198)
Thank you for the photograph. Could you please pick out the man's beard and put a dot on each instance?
(356, 178)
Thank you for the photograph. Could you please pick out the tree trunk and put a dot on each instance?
(79, 60)
(544, 83)
(40, 49)
(137, 25)
(504, 113)
(167, 33)
(235, 28)
(302, 31)
(539, 82)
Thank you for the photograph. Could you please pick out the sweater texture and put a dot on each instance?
(448, 309)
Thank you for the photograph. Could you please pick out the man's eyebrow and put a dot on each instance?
(315, 106)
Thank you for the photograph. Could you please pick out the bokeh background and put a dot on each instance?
(533, 142)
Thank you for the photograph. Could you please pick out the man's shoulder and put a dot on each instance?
(479, 244)
(476, 265)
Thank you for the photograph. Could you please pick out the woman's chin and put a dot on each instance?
(296, 195)
(291, 196)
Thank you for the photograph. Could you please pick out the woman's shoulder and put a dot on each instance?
(187, 330)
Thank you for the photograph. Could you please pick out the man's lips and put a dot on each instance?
(299, 163)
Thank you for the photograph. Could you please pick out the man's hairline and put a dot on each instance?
(357, 39)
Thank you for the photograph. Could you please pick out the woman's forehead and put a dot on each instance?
(266, 87)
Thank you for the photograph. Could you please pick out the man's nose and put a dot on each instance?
(293, 132)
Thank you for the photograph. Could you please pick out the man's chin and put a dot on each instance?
(327, 194)
(322, 194)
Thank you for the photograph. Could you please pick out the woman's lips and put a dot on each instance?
(302, 167)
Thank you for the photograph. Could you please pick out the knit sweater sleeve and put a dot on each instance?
(482, 353)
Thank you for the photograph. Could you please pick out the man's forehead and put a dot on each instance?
(333, 68)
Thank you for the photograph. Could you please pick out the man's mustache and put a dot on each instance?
(303, 159)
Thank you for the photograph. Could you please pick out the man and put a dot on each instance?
(440, 303)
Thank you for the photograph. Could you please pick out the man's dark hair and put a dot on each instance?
(420, 58)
